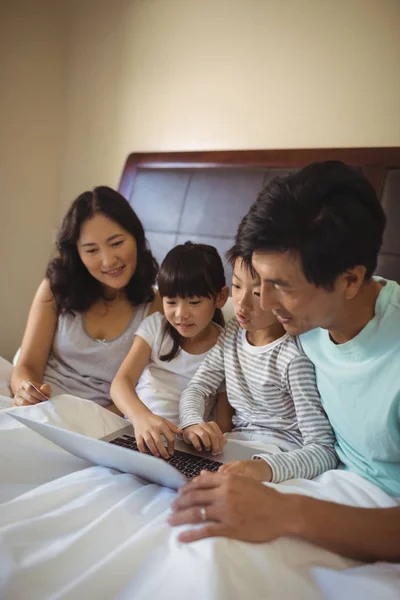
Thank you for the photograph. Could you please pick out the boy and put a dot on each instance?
(270, 386)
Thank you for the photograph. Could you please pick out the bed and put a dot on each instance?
(72, 530)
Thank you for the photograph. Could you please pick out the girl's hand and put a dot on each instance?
(257, 469)
(207, 436)
(148, 431)
(29, 392)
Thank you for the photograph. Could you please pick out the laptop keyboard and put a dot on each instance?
(188, 464)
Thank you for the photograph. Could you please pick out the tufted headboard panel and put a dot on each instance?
(202, 196)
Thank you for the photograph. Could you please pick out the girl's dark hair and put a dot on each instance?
(73, 287)
(187, 271)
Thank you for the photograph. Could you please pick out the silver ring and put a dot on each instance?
(203, 513)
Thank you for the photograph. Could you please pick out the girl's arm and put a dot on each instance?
(35, 349)
(224, 413)
(148, 427)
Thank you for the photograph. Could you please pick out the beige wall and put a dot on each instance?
(88, 81)
(209, 74)
(32, 139)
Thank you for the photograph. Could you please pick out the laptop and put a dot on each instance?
(119, 451)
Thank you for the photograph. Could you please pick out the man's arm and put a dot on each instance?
(367, 534)
(244, 509)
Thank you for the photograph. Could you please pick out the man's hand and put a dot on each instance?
(207, 436)
(150, 432)
(257, 469)
(236, 507)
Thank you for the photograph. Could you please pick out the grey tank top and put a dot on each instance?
(80, 365)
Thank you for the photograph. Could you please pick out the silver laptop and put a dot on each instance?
(119, 451)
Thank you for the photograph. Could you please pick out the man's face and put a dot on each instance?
(297, 304)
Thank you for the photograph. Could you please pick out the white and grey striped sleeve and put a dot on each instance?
(317, 454)
(203, 386)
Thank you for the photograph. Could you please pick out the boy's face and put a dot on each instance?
(246, 300)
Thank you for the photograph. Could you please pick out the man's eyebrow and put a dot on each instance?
(110, 239)
(278, 281)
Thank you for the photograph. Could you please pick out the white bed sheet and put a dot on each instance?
(70, 530)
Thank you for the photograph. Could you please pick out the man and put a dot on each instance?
(313, 237)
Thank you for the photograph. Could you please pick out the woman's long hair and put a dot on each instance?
(73, 287)
(187, 271)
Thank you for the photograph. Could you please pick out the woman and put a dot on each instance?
(87, 309)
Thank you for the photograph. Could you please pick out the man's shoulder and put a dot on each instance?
(393, 295)
(309, 338)
(312, 342)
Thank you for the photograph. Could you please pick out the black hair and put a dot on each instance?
(187, 271)
(327, 213)
(236, 252)
(73, 287)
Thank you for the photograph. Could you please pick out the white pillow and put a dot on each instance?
(16, 355)
(6, 369)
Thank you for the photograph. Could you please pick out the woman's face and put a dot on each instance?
(108, 251)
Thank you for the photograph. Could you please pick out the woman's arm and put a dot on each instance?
(148, 427)
(35, 348)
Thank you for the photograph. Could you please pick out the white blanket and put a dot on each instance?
(69, 530)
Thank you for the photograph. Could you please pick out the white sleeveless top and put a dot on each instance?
(162, 382)
(80, 365)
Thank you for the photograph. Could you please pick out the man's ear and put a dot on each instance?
(222, 297)
(353, 280)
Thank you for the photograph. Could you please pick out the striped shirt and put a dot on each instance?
(273, 391)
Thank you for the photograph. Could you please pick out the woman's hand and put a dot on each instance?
(206, 436)
(150, 431)
(31, 392)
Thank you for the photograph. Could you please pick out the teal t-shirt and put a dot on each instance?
(359, 383)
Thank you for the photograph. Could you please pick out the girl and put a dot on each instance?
(96, 293)
(168, 348)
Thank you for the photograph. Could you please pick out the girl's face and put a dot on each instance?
(190, 316)
(108, 251)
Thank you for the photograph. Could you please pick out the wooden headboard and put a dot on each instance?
(202, 196)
